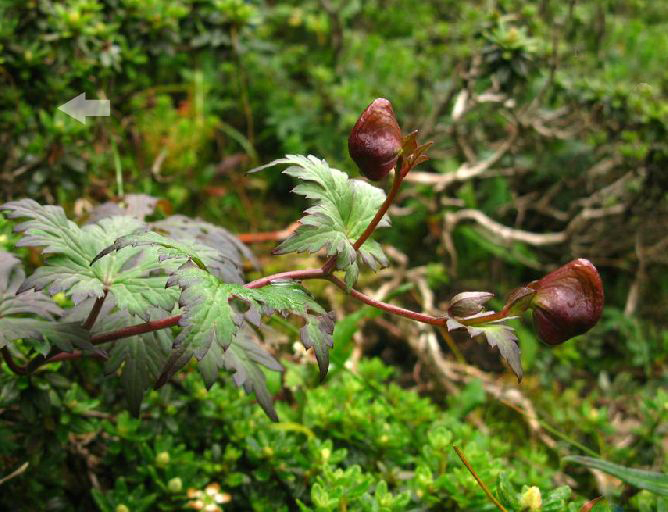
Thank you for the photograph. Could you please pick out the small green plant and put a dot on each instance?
(148, 297)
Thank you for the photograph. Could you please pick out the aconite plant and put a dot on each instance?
(146, 298)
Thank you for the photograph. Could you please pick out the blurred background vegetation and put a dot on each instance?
(549, 121)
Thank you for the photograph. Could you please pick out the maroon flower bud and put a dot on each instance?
(375, 140)
(568, 301)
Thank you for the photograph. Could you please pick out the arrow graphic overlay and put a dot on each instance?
(80, 108)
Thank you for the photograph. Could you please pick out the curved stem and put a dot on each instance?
(396, 184)
(395, 310)
(13, 365)
(392, 194)
(126, 332)
(297, 275)
(482, 485)
(97, 307)
(171, 321)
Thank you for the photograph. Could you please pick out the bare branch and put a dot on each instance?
(464, 172)
(504, 233)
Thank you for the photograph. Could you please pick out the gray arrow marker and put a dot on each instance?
(80, 108)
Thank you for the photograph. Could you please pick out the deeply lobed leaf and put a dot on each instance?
(15, 308)
(497, 335)
(342, 210)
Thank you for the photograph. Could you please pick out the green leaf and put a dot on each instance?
(48, 227)
(317, 333)
(506, 493)
(285, 297)
(343, 209)
(14, 306)
(179, 227)
(652, 481)
(163, 248)
(141, 358)
(129, 276)
(244, 358)
(555, 501)
(211, 319)
(352, 271)
(208, 317)
(504, 338)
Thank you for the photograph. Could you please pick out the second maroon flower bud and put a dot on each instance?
(375, 140)
(568, 301)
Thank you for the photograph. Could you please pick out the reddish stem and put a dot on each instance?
(321, 273)
(395, 310)
(68, 356)
(95, 311)
(133, 330)
(297, 275)
(270, 236)
(396, 184)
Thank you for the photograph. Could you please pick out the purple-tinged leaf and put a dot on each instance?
(504, 338)
(317, 334)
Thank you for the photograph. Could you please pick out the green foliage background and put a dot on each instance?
(203, 90)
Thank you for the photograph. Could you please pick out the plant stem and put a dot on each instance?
(483, 319)
(395, 310)
(478, 479)
(133, 330)
(451, 344)
(171, 321)
(13, 365)
(297, 275)
(396, 184)
(92, 316)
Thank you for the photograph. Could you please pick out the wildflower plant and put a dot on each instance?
(148, 297)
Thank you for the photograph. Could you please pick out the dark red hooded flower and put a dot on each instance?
(568, 301)
(375, 140)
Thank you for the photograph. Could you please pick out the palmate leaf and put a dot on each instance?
(226, 266)
(179, 227)
(211, 318)
(141, 358)
(317, 333)
(343, 209)
(245, 358)
(497, 335)
(503, 337)
(138, 206)
(230, 250)
(15, 308)
(129, 276)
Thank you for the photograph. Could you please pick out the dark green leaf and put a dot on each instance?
(211, 321)
(244, 358)
(128, 275)
(142, 359)
(317, 333)
(14, 324)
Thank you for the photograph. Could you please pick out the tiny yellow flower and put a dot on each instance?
(531, 500)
